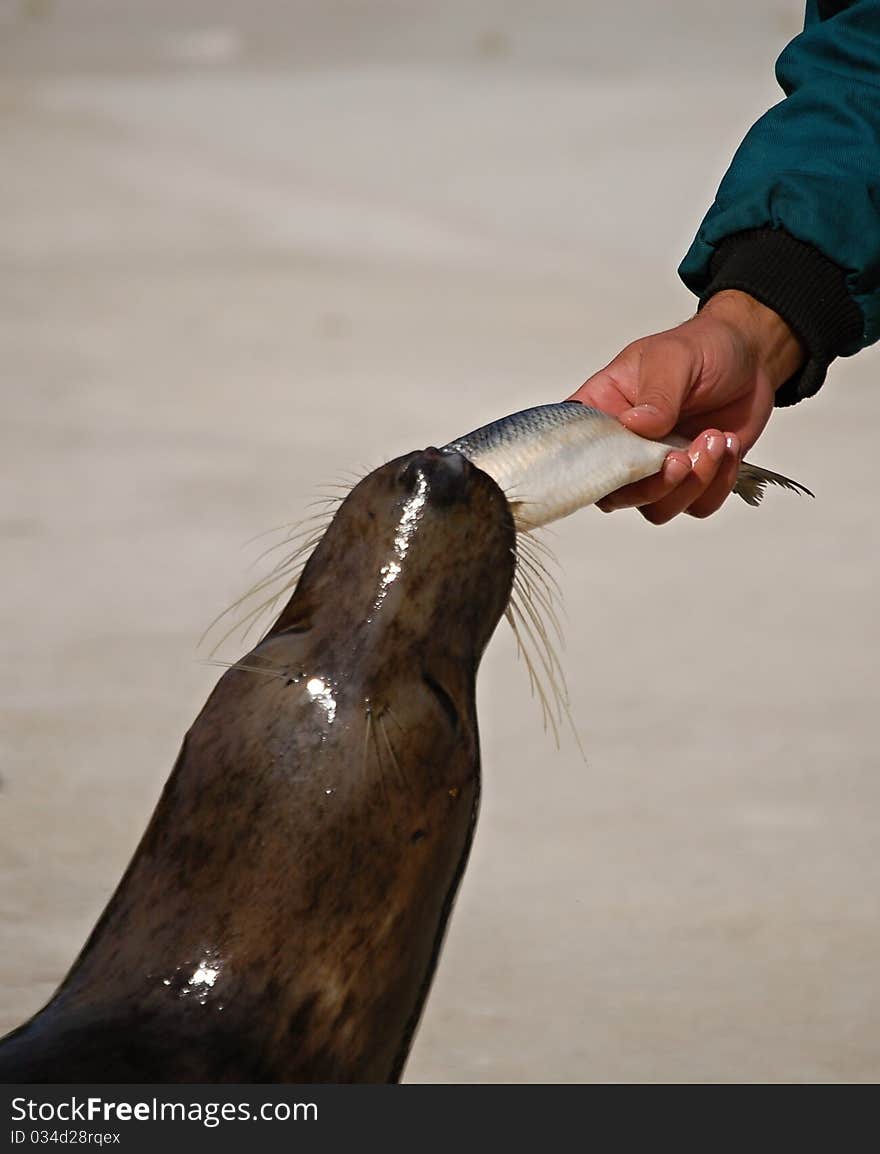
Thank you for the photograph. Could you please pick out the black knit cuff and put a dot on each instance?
(801, 284)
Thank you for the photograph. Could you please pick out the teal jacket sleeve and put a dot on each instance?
(796, 220)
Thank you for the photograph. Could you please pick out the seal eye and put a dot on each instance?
(446, 702)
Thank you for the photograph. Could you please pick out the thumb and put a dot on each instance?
(665, 376)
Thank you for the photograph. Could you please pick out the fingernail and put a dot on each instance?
(649, 410)
(675, 470)
(732, 443)
(715, 446)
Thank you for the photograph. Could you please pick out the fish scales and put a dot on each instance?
(552, 460)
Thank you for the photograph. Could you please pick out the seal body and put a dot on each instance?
(283, 914)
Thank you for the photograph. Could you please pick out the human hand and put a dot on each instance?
(712, 378)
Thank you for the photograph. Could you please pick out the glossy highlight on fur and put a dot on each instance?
(283, 914)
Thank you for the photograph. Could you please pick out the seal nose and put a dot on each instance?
(446, 474)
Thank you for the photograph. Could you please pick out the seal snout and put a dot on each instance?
(444, 474)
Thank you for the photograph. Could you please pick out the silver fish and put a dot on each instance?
(554, 459)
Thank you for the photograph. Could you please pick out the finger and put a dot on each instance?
(746, 415)
(603, 392)
(706, 454)
(667, 371)
(719, 489)
(676, 468)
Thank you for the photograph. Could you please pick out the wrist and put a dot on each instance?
(771, 342)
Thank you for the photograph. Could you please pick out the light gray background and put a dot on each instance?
(245, 246)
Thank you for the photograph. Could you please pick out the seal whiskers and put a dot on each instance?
(373, 739)
(399, 771)
(534, 621)
(286, 571)
(247, 668)
(312, 527)
(522, 632)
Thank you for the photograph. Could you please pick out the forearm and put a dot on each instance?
(796, 221)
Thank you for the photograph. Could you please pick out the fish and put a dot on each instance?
(551, 460)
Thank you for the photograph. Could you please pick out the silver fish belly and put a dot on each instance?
(552, 460)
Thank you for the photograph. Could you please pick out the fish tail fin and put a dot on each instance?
(752, 479)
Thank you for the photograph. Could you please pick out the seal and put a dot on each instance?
(282, 917)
